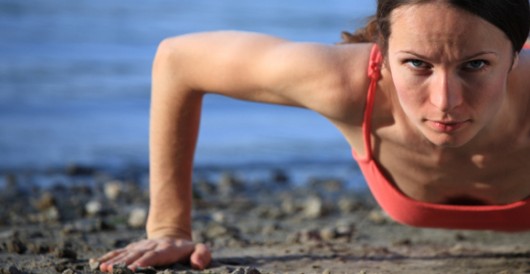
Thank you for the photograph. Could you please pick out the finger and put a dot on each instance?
(201, 257)
(166, 255)
(109, 255)
(107, 266)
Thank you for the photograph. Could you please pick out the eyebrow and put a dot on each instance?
(472, 56)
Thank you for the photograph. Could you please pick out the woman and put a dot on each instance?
(439, 125)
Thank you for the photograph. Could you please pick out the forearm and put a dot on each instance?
(175, 115)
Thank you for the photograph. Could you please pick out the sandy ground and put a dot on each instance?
(267, 227)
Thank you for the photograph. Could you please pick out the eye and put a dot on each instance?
(475, 65)
(417, 64)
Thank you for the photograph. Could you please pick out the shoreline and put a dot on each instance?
(271, 225)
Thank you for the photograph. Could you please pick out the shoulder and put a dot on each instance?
(329, 79)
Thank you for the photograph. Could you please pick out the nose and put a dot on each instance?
(446, 92)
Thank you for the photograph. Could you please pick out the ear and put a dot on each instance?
(515, 61)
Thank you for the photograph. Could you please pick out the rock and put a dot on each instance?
(85, 225)
(314, 208)
(328, 234)
(377, 217)
(347, 205)
(121, 269)
(137, 218)
(229, 184)
(288, 207)
(15, 246)
(93, 208)
(280, 177)
(247, 270)
(345, 229)
(145, 270)
(113, 189)
(219, 217)
(308, 235)
(68, 271)
(93, 264)
(12, 270)
(79, 170)
(46, 201)
(65, 252)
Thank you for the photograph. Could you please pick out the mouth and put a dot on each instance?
(446, 126)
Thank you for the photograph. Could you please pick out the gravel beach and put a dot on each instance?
(55, 221)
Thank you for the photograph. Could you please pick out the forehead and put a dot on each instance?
(438, 28)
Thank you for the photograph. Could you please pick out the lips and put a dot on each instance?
(446, 126)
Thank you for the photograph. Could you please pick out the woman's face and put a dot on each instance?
(450, 70)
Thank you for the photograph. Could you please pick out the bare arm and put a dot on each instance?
(245, 66)
(240, 65)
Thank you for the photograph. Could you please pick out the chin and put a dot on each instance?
(446, 140)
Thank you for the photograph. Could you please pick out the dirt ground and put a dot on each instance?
(273, 227)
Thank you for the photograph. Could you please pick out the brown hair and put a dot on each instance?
(510, 16)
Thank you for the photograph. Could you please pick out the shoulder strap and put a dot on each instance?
(374, 73)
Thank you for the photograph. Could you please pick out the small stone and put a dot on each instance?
(377, 217)
(93, 264)
(46, 201)
(68, 271)
(314, 208)
(326, 271)
(229, 184)
(248, 270)
(65, 252)
(121, 269)
(145, 270)
(15, 246)
(280, 177)
(137, 218)
(309, 235)
(112, 190)
(93, 208)
(347, 205)
(12, 270)
(79, 170)
(328, 234)
(251, 270)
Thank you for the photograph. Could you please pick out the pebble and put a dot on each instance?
(377, 217)
(112, 190)
(229, 184)
(328, 234)
(280, 177)
(121, 269)
(15, 246)
(347, 205)
(93, 208)
(68, 271)
(85, 225)
(246, 270)
(65, 252)
(12, 270)
(314, 208)
(93, 265)
(46, 201)
(137, 217)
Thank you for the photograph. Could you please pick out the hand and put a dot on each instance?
(157, 252)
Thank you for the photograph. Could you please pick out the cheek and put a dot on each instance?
(409, 93)
(487, 94)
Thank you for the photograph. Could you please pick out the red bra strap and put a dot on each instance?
(374, 73)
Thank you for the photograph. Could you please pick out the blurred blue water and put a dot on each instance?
(75, 80)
